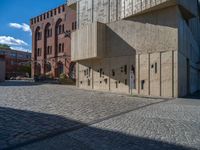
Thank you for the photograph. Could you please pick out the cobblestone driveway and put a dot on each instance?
(29, 111)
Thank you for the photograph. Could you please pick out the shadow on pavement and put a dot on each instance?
(195, 96)
(26, 83)
(19, 83)
(20, 128)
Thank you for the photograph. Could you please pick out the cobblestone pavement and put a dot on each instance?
(32, 112)
(172, 125)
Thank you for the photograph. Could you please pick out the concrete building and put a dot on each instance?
(16, 61)
(142, 47)
(2, 68)
(51, 49)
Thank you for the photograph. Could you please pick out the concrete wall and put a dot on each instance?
(188, 57)
(160, 36)
(2, 70)
(89, 42)
(148, 43)
(106, 11)
(105, 75)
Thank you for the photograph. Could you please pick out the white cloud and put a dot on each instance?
(20, 48)
(23, 26)
(11, 41)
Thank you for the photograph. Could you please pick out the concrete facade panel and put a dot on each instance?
(166, 74)
(155, 74)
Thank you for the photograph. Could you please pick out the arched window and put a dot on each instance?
(38, 34)
(48, 31)
(60, 27)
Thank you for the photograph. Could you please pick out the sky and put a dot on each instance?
(15, 18)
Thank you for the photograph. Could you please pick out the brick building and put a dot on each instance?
(143, 47)
(51, 42)
(15, 62)
(2, 68)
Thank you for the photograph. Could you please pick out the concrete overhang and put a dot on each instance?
(88, 42)
(188, 10)
(72, 4)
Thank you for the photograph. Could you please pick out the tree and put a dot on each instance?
(4, 46)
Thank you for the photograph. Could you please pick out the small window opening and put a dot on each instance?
(125, 69)
(116, 84)
(125, 81)
(121, 69)
(156, 68)
(106, 81)
(142, 84)
(88, 82)
(101, 72)
(113, 72)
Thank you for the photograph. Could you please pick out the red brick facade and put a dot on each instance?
(51, 42)
(15, 61)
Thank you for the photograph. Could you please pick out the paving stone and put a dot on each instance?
(30, 111)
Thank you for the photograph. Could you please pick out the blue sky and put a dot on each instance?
(15, 18)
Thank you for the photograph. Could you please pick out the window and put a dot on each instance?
(37, 19)
(142, 84)
(59, 10)
(116, 83)
(60, 29)
(63, 8)
(125, 69)
(106, 81)
(156, 68)
(44, 16)
(85, 73)
(40, 18)
(90, 70)
(113, 72)
(63, 47)
(74, 25)
(38, 36)
(88, 82)
(125, 82)
(63, 28)
(48, 32)
(39, 52)
(55, 11)
(51, 13)
(60, 48)
(49, 50)
(101, 72)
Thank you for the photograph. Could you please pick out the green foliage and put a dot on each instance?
(24, 69)
(63, 77)
(4, 46)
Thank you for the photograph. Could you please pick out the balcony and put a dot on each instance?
(88, 42)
